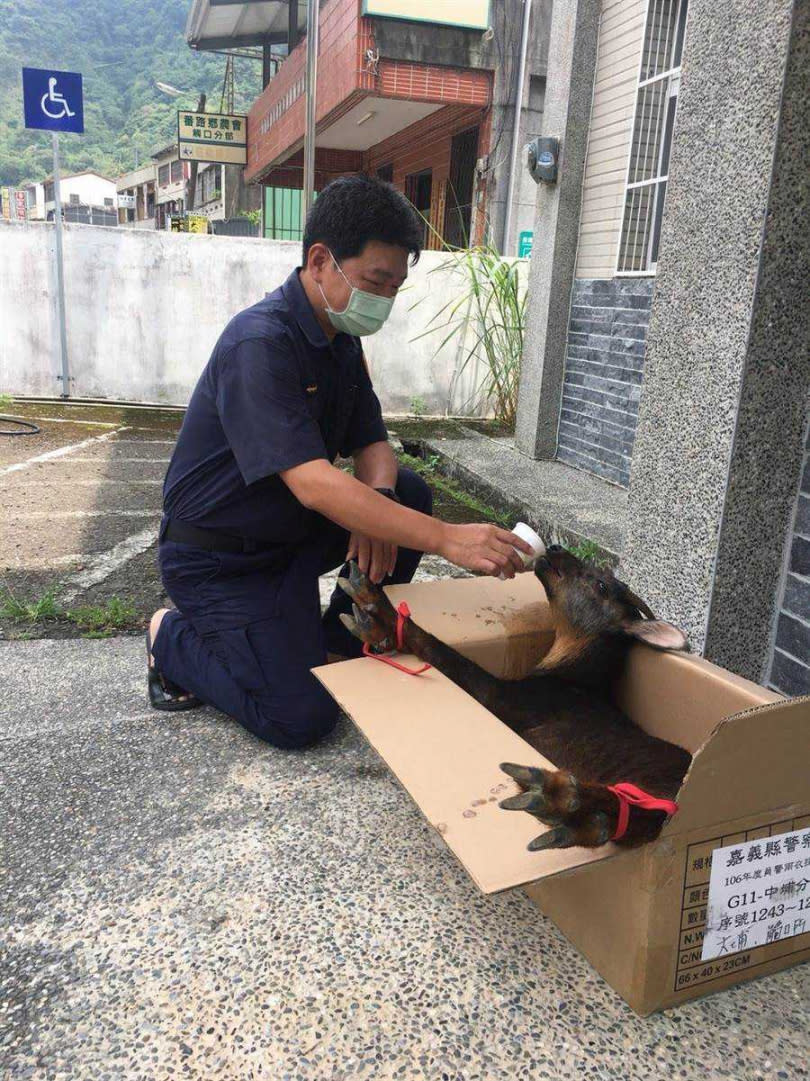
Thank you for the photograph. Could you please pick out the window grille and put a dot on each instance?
(653, 127)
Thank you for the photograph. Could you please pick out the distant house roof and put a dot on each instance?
(160, 151)
(72, 176)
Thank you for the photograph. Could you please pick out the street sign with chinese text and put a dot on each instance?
(525, 241)
(52, 100)
(212, 137)
(126, 202)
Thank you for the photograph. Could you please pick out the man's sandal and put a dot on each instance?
(163, 693)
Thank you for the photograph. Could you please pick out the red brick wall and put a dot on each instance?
(277, 120)
(338, 78)
(427, 145)
(328, 165)
(424, 145)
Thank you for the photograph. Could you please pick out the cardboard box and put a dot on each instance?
(638, 915)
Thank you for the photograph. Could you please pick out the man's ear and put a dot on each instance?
(318, 258)
(656, 633)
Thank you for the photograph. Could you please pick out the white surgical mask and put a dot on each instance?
(364, 313)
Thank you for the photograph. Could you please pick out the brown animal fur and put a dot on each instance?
(563, 708)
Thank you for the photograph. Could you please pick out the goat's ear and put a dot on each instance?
(656, 633)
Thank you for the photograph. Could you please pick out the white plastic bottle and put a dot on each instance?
(526, 533)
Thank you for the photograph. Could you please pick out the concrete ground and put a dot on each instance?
(81, 507)
(180, 900)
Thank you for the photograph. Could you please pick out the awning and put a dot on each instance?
(225, 24)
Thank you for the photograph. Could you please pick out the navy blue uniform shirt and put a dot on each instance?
(275, 394)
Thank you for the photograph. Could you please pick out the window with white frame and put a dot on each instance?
(653, 126)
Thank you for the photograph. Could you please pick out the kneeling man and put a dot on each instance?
(254, 509)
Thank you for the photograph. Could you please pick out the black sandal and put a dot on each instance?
(163, 693)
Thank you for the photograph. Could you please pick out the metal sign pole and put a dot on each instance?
(309, 134)
(60, 269)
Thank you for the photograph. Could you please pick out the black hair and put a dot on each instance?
(353, 210)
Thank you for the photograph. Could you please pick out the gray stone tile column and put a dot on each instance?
(720, 437)
(566, 113)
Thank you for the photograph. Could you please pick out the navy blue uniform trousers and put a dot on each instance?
(247, 628)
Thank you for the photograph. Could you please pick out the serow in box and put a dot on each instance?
(683, 902)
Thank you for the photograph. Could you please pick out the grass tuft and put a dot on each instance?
(427, 468)
(102, 620)
(589, 552)
(38, 610)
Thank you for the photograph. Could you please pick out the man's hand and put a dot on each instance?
(486, 549)
(375, 558)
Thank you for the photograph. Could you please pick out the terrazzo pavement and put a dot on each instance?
(180, 900)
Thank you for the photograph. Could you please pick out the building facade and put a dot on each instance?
(135, 192)
(87, 197)
(413, 93)
(668, 345)
(171, 185)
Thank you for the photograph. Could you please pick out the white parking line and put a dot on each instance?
(81, 482)
(41, 515)
(51, 455)
(110, 461)
(70, 420)
(101, 566)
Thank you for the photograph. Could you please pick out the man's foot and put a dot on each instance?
(163, 693)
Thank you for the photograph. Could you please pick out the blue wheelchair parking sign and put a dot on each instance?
(53, 100)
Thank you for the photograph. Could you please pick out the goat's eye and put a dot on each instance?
(603, 589)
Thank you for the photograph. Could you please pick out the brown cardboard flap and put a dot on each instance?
(755, 762)
(445, 748)
(682, 698)
(504, 626)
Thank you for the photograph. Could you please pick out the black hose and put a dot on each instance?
(25, 427)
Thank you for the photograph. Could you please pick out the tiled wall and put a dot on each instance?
(790, 671)
(603, 372)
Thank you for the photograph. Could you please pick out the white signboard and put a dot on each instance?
(759, 892)
(212, 137)
(471, 14)
(126, 202)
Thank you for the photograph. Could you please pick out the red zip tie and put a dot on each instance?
(630, 795)
(403, 613)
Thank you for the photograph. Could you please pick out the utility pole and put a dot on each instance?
(191, 186)
(60, 269)
(513, 168)
(309, 134)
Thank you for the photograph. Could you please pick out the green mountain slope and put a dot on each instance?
(121, 47)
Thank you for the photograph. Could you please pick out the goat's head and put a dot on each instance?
(590, 603)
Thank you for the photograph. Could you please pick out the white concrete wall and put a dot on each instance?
(144, 310)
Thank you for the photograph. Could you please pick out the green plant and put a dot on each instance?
(5, 401)
(491, 308)
(418, 407)
(588, 552)
(38, 610)
(253, 216)
(427, 469)
(101, 620)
